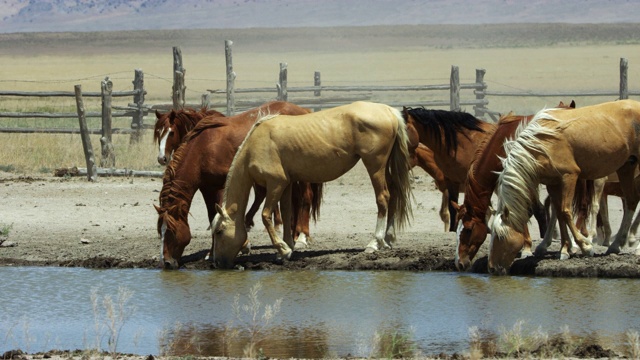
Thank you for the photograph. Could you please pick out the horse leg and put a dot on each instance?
(304, 196)
(275, 194)
(526, 249)
(626, 179)
(378, 180)
(445, 215)
(556, 197)
(540, 214)
(454, 190)
(541, 249)
(604, 228)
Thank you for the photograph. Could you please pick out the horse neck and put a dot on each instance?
(237, 188)
(182, 178)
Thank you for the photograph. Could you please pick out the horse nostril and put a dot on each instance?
(170, 265)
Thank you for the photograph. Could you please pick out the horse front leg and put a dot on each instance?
(454, 190)
(274, 195)
(538, 211)
(445, 215)
(541, 249)
(565, 212)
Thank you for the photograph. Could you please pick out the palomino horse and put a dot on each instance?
(423, 157)
(317, 148)
(557, 149)
(202, 163)
(472, 216)
(171, 127)
(453, 136)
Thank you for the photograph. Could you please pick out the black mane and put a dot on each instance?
(447, 123)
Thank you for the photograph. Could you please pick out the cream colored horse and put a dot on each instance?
(556, 149)
(317, 148)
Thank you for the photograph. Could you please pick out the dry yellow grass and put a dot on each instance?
(553, 68)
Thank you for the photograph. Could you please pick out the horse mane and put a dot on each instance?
(174, 199)
(445, 123)
(518, 182)
(262, 117)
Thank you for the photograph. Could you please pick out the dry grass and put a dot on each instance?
(348, 57)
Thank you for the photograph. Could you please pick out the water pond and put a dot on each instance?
(314, 314)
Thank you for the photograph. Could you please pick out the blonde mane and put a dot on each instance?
(262, 117)
(517, 184)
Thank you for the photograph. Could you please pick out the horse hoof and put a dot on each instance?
(540, 251)
(370, 250)
(526, 254)
(612, 250)
(301, 242)
(588, 250)
(564, 256)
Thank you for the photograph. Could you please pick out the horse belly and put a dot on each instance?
(600, 161)
(319, 169)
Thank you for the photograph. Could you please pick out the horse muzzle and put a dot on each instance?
(162, 160)
(463, 264)
(171, 264)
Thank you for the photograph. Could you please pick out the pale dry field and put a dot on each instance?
(349, 58)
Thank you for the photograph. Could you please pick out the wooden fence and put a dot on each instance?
(317, 96)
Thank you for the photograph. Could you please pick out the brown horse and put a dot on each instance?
(423, 157)
(317, 147)
(557, 149)
(202, 163)
(170, 130)
(472, 216)
(172, 126)
(453, 136)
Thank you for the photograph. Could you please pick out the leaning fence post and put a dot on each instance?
(454, 94)
(138, 101)
(108, 156)
(624, 90)
(231, 78)
(84, 134)
(481, 86)
(317, 83)
(178, 79)
(282, 83)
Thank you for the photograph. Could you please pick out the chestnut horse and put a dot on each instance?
(317, 147)
(472, 216)
(453, 136)
(172, 126)
(202, 163)
(423, 157)
(557, 149)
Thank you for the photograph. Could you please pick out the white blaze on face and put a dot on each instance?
(163, 144)
(163, 230)
(458, 232)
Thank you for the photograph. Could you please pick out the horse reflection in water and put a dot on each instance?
(557, 149)
(316, 148)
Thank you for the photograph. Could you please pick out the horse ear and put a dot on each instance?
(221, 211)
(158, 115)
(573, 104)
(158, 209)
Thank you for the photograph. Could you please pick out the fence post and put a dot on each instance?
(179, 88)
(231, 79)
(454, 92)
(624, 90)
(282, 83)
(108, 156)
(84, 134)
(138, 99)
(481, 86)
(318, 83)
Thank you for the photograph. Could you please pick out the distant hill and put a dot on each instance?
(111, 15)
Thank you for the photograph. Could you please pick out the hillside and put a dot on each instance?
(110, 15)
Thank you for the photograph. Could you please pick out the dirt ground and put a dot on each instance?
(111, 223)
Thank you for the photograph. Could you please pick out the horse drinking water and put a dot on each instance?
(557, 149)
(317, 148)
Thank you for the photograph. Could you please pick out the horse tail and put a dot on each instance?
(398, 169)
(316, 200)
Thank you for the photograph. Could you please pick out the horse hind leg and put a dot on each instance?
(445, 215)
(626, 179)
(378, 180)
(302, 199)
